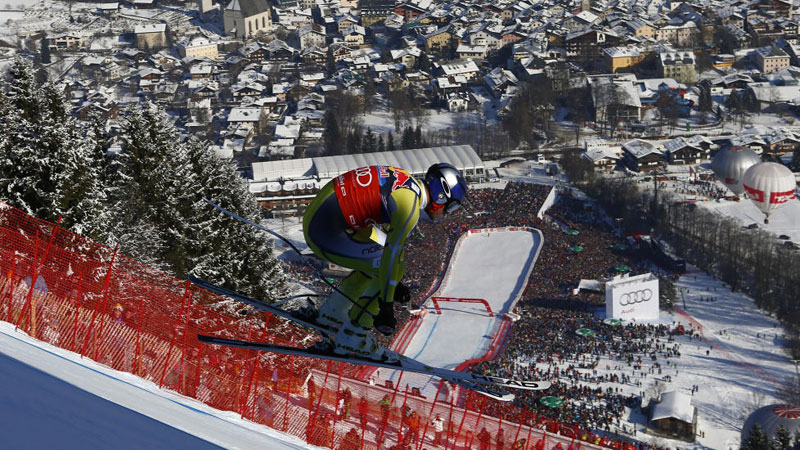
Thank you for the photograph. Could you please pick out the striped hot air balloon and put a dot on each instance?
(769, 185)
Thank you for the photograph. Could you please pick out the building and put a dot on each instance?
(771, 59)
(66, 42)
(678, 65)
(374, 11)
(246, 18)
(673, 415)
(198, 47)
(287, 186)
(151, 36)
(642, 156)
(618, 58)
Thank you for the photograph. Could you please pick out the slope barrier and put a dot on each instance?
(66, 290)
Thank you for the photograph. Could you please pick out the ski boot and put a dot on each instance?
(334, 311)
(354, 340)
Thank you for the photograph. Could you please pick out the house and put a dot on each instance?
(374, 11)
(312, 36)
(615, 98)
(674, 416)
(151, 36)
(499, 80)
(246, 18)
(354, 36)
(603, 159)
(198, 47)
(618, 58)
(781, 142)
(771, 59)
(679, 65)
(438, 41)
(345, 22)
(64, 42)
(642, 156)
(243, 116)
(684, 151)
(468, 69)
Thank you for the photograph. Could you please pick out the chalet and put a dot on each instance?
(254, 51)
(199, 47)
(586, 44)
(684, 151)
(246, 90)
(66, 42)
(345, 22)
(354, 36)
(615, 98)
(499, 81)
(603, 158)
(246, 116)
(468, 69)
(781, 142)
(440, 40)
(642, 156)
(312, 36)
(674, 415)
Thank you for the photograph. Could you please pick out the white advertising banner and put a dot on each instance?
(632, 298)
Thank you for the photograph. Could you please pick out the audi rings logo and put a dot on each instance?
(630, 298)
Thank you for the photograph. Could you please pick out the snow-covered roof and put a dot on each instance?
(676, 405)
(417, 161)
(151, 28)
(289, 168)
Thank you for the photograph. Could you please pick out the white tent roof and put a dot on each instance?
(416, 161)
(674, 404)
(289, 168)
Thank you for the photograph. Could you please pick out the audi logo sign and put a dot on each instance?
(630, 298)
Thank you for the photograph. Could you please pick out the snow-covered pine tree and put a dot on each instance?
(152, 192)
(42, 150)
(230, 252)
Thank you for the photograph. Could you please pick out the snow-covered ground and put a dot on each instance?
(490, 266)
(52, 398)
(741, 372)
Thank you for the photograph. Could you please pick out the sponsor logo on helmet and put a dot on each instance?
(630, 298)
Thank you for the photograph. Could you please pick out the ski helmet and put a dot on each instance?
(446, 186)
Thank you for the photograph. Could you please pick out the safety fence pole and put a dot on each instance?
(11, 286)
(106, 283)
(430, 415)
(186, 294)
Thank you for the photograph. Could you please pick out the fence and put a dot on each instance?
(76, 294)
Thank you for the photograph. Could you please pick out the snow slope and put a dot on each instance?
(52, 398)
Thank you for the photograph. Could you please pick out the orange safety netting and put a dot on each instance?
(81, 296)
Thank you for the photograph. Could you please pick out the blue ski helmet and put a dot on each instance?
(446, 186)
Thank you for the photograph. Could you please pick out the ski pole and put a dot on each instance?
(289, 243)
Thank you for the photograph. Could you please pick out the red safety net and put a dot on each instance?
(81, 296)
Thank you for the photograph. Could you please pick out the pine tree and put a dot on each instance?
(333, 135)
(228, 251)
(368, 144)
(43, 152)
(390, 142)
(45, 51)
(757, 440)
(381, 146)
(353, 142)
(407, 141)
(418, 137)
(782, 440)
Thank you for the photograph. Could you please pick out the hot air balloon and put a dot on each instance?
(731, 163)
(769, 185)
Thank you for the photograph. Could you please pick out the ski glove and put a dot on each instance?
(401, 293)
(385, 322)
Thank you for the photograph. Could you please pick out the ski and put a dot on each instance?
(402, 363)
(258, 304)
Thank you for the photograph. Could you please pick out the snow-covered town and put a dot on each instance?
(603, 249)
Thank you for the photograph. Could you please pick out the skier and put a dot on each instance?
(361, 220)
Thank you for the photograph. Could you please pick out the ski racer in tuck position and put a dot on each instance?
(360, 220)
